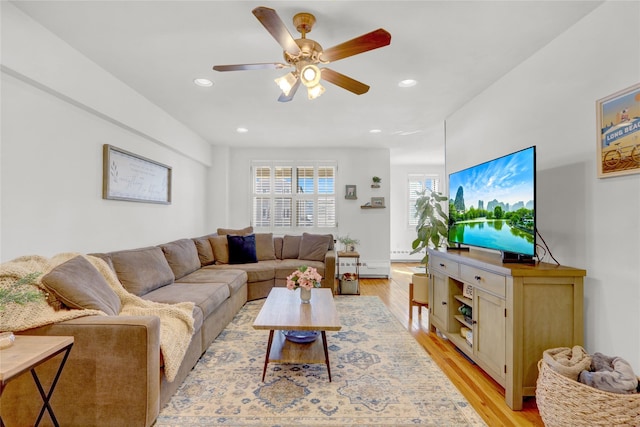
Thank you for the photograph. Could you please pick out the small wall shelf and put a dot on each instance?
(372, 207)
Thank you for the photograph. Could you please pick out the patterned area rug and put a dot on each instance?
(380, 377)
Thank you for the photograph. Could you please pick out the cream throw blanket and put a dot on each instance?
(176, 320)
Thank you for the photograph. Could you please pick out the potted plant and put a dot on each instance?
(348, 243)
(431, 233)
(376, 182)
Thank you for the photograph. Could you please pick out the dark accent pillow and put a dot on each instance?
(291, 247)
(314, 247)
(78, 284)
(265, 249)
(242, 249)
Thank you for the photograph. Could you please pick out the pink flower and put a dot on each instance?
(306, 277)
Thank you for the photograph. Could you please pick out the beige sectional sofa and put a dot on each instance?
(114, 375)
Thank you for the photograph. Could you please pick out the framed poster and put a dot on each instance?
(350, 192)
(618, 128)
(127, 176)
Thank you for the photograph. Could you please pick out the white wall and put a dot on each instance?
(58, 108)
(590, 223)
(355, 167)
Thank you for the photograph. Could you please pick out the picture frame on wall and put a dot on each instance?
(377, 202)
(350, 192)
(618, 133)
(130, 177)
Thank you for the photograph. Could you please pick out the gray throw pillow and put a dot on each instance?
(265, 249)
(182, 257)
(291, 247)
(314, 247)
(78, 284)
(142, 270)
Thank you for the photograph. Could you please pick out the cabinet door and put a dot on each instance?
(440, 301)
(489, 332)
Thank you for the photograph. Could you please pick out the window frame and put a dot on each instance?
(421, 178)
(318, 195)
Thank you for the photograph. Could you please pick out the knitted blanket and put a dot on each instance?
(567, 361)
(176, 320)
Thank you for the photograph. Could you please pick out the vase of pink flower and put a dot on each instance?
(305, 278)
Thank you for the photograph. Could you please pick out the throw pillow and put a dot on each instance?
(265, 250)
(241, 232)
(220, 249)
(242, 249)
(313, 247)
(205, 251)
(291, 247)
(78, 284)
(142, 270)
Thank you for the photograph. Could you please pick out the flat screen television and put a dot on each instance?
(493, 205)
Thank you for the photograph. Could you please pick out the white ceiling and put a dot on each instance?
(454, 49)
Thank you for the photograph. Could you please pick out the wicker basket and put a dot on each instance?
(564, 402)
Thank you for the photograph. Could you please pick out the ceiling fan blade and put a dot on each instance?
(287, 98)
(364, 43)
(272, 22)
(344, 82)
(260, 66)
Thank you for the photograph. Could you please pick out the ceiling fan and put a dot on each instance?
(304, 55)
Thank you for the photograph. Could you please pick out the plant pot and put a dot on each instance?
(420, 287)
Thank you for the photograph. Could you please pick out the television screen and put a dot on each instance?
(492, 205)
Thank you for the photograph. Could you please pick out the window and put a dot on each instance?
(294, 195)
(417, 184)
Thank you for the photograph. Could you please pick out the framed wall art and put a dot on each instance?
(350, 192)
(130, 177)
(377, 202)
(618, 133)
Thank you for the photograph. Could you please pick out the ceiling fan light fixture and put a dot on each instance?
(310, 75)
(286, 83)
(315, 91)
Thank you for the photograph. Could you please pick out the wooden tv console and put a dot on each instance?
(518, 311)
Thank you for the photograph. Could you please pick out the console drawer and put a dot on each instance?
(450, 268)
(490, 282)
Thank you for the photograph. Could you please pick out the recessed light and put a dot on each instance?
(242, 130)
(203, 82)
(375, 131)
(407, 83)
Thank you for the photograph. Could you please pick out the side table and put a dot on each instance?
(355, 290)
(25, 354)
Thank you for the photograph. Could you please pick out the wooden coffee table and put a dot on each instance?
(283, 310)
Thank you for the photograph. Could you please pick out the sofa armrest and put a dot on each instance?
(112, 376)
(329, 270)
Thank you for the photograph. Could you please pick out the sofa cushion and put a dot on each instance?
(242, 249)
(78, 284)
(205, 250)
(314, 247)
(182, 257)
(234, 278)
(142, 270)
(265, 250)
(291, 247)
(220, 249)
(287, 266)
(239, 232)
(207, 296)
(277, 243)
(256, 272)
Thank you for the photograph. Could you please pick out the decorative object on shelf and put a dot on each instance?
(350, 192)
(6, 339)
(301, 337)
(305, 278)
(24, 290)
(348, 243)
(467, 291)
(376, 182)
(377, 202)
(618, 127)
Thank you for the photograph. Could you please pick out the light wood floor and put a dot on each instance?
(484, 394)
